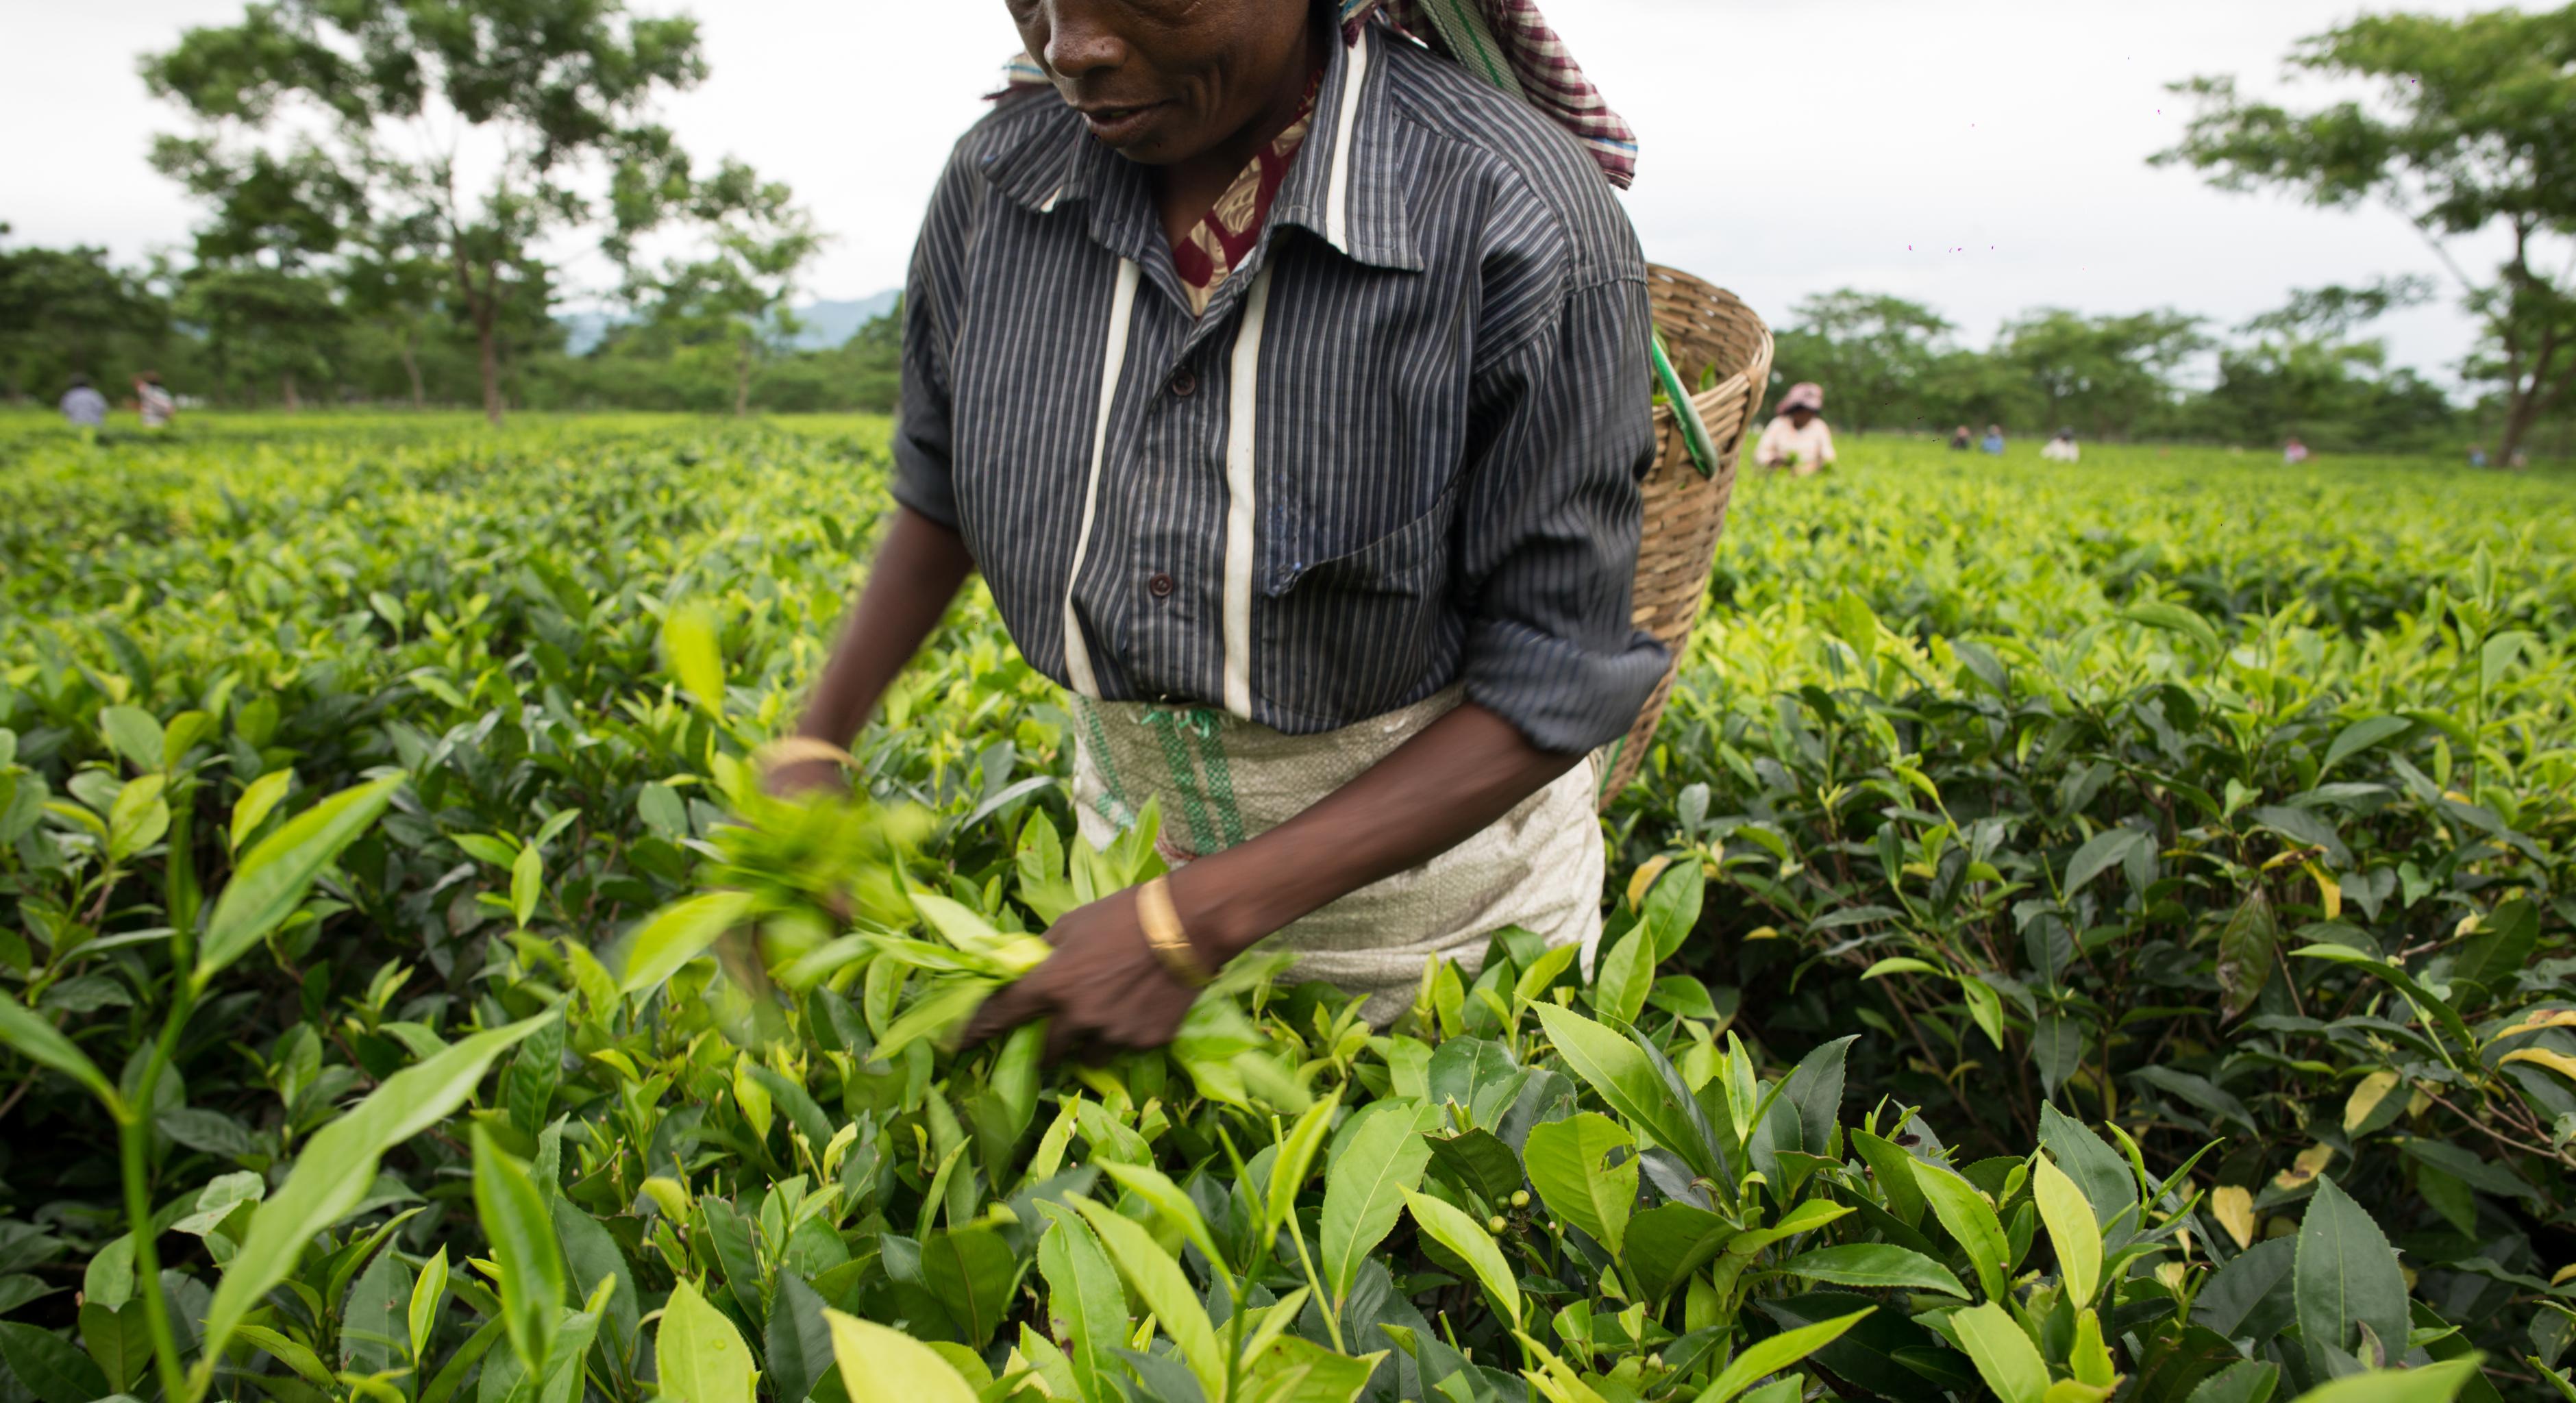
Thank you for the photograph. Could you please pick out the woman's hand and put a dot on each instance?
(797, 779)
(1103, 987)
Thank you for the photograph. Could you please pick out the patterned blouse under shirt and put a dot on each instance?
(1225, 235)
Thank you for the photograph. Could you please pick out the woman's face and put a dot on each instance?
(1801, 416)
(1161, 81)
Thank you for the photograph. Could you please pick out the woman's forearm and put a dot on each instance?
(916, 573)
(1442, 787)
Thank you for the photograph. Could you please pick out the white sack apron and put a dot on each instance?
(1221, 780)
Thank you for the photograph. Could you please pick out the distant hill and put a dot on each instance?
(827, 324)
(831, 323)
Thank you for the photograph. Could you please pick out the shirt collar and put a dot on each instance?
(1345, 186)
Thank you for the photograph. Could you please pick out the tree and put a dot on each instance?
(736, 295)
(480, 128)
(61, 310)
(262, 287)
(2473, 127)
(1868, 350)
(2108, 371)
(394, 291)
(2304, 373)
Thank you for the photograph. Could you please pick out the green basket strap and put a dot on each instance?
(1703, 451)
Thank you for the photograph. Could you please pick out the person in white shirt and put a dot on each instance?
(153, 401)
(1798, 439)
(2061, 449)
(82, 406)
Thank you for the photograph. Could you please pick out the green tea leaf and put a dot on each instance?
(2346, 1276)
(1627, 975)
(2004, 1356)
(677, 934)
(1153, 1186)
(1669, 1241)
(1296, 1158)
(1156, 1279)
(1875, 1266)
(338, 1165)
(427, 1296)
(2071, 1230)
(689, 642)
(2102, 852)
(271, 882)
(1453, 1229)
(1971, 1222)
(798, 1348)
(1364, 1191)
(2245, 953)
(2174, 618)
(514, 1221)
(134, 734)
(2437, 1010)
(371, 1324)
(1616, 1070)
(879, 1365)
(1083, 1294)
(2438, 1382)
(258, 800)
(1673, 907)
(527, 883)
(1769, 1356)
(1564, 1160)
(2501, 948)
(50, 1366)
(119, 1341)
(25, 1030)
(2360, 736)
(2245, 1381)
(699, 1355)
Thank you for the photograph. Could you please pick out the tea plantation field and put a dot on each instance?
(2085, 932)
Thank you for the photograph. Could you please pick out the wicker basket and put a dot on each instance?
(1705, 329)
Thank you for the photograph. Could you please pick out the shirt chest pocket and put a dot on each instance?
(1354, 633)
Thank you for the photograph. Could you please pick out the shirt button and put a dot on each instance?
(1161, 586)
(1185, 383)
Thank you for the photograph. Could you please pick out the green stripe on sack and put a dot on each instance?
(1185, 781)
(1112, 804)
(1220, 778)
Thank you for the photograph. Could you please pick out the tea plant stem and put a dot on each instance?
(180, 893)
(2488, 1130)
(1324, 1299)
(134, 1142)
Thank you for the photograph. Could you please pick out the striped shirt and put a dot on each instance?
(1399, 451)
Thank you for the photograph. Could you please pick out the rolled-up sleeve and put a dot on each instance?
(1548, 530)
(923, 436)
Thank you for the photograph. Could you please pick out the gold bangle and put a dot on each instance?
(1163, 933)
(793, 750)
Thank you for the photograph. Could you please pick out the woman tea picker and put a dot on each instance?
(1289, 385)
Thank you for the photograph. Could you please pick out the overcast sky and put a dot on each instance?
(1983, 156)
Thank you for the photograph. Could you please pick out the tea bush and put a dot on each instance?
(2083, 933)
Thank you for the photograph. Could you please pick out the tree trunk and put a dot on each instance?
(742, 380)
(286, 392)
(2529, 403)
(411, 367)
(487, 338)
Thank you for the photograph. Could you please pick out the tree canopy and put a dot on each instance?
(467, 131)
(2470, 126)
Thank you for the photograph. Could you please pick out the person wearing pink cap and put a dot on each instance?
(1798, 439)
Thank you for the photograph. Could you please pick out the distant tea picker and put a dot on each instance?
(1286, 372)
(1798, 440)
